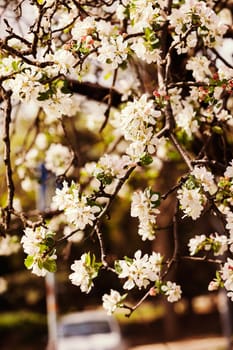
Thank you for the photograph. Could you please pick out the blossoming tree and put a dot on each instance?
(145, 80)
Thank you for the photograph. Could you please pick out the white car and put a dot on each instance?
(89, 330)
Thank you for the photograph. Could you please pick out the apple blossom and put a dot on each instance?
(172, 291)
(112, 301)
(58, 158)
(190, 201)
(139, 271)
(38, 245)
(85, 270)
(143, 206)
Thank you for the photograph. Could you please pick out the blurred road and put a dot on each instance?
(193, 344)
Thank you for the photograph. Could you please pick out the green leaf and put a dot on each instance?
(97, 266)
(44, 95)
(146, 159)
(50, 265)
(43, 247)
(40, 264)
(105, 179)
(15, 65)
(127, 259)
(88, 259)
(191, 183)
(65, 88)
(117, 266)
(49, 241)
(28, 261)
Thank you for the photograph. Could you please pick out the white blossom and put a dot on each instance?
(41, 141)
(172, 291)
(206, 179)
(82, 28)
(143, 15)
(80, 213)
(111, 301)
(142, 207)
(143, 51)
(113, 165)
(200, 67)
(26, 85)
(140, 271)
(196, 243)
(58, 158)
(191, 201)
(83, 273)
(75, 205)
(229, 225)
(40, 255)
(220, 243)
(32, 239)
(63, 197)
(229, 170)
(227, 274)
(185, 119)
(32, 158)
(64, 60)
(113, 51)
(137, 120)
(58, 105)
(210, 28)
(213, 285)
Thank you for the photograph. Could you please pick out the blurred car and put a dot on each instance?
(89, 330)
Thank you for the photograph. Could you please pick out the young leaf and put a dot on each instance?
(28, 261)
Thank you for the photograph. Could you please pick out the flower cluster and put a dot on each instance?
(172, 291)
(205, 179)
(111, 166)
(193, 20)
(30, 83)
(215, 242)
(227, 276)
(78, 209)
(113, 51)
(191, 201)
(113, 301)
(144, 17)
(85, 270)
(58, 159)
(137, 122)
(144, 206)
(38, 244)
(224, 199)
(192, 194)
(139, 271)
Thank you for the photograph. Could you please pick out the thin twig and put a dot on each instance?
(7, 155)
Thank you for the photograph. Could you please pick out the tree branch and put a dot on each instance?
(7, 156)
